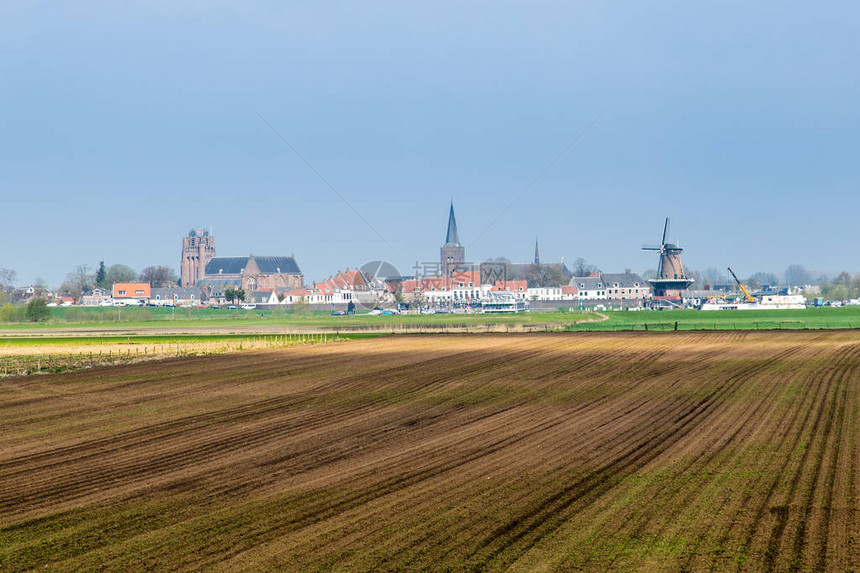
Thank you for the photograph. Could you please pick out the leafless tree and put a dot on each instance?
(797, 275)
(79, 281)
(7, 280)
(582, 268)
(159, 276)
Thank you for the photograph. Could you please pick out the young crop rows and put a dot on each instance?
(725, 451)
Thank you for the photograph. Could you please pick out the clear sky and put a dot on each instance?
(125, 124)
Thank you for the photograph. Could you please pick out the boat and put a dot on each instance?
(762, 301)
(769, 302)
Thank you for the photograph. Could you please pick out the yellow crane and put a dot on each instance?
(740, 284)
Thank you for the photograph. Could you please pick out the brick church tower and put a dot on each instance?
(452, 253)
(198, 248)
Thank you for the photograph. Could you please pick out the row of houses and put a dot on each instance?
(344, 287)
(457, 289)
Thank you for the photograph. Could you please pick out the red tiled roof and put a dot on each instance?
(510, 286)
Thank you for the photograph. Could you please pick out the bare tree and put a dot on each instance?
(40, 286)
(7, 280)
(538, 275)
(797, 275)
(712, 276)
(582, 268)
(159, 276)
(79, 281)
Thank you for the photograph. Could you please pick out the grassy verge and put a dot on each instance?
(102, 318)
(809, 318)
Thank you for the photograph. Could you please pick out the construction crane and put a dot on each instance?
(740, 284)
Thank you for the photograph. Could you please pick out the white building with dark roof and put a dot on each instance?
(626, 287)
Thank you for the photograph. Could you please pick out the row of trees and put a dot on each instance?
(842, 287)
(794, 275)
(82, 279)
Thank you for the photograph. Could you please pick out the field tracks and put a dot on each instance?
(637, 451)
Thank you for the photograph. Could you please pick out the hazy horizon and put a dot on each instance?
(126, 126)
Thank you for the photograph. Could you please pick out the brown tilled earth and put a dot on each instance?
(556, 452)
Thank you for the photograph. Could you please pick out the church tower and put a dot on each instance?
(453, 254)
(198, 248)
(537, 252)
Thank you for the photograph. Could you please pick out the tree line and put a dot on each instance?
(83, 279)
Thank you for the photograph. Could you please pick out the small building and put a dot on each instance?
(261, 297)
(128, 291)
(97, 297)
(176, 296)
(551, 294)
(626, 288)
(589, 288)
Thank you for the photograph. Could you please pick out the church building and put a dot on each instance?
(452, 253)
(200, 266)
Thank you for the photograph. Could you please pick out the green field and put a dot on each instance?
(810, 318)
(148, 319)
(132, 317)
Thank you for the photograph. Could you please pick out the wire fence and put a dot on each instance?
(709, 326)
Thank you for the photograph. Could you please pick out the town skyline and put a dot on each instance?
(410, 268)
(418, 268)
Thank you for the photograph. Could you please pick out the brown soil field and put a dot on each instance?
(730, 451)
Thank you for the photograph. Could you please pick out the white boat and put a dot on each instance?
(499, 302)
(765, 302)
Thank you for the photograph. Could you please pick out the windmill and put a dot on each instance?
(671, 278)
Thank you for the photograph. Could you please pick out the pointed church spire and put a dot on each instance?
(452, 238)
(537, 252)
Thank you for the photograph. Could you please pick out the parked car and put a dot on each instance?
(249, 306)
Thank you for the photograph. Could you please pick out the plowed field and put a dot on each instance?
(637, 451)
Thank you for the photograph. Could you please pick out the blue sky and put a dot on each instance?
(125, 126)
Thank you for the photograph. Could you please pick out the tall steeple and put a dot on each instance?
(537, 252)
(452, 239)
(452, 254)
